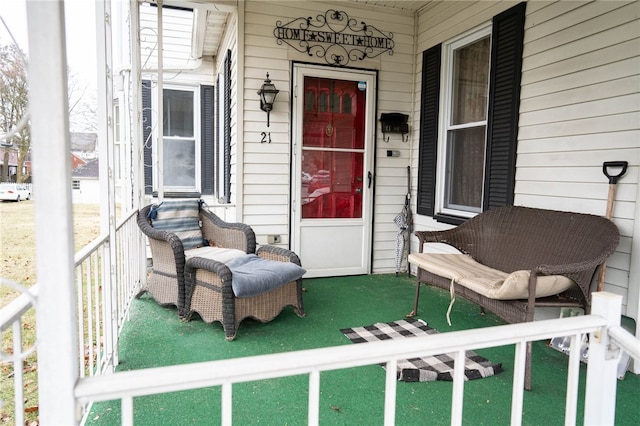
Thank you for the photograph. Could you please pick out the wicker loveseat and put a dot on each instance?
(166, 282)
(507, 252)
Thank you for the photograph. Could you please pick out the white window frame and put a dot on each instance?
(197, 138)
(448, 49)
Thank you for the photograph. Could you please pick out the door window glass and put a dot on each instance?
(332, 149)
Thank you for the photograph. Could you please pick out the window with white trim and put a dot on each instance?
(188, 133)
(470, 102)
(464, 124)
(181, 171)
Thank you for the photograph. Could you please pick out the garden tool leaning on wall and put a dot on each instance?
(562, 344)
(613, 180)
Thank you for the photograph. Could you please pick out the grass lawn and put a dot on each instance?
(18, 264)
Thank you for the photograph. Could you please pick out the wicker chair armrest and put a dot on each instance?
(279, 254)
(210, 265)
(218, 268)
(568, 268)
(227, 234)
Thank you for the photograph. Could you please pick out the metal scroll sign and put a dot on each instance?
(335, 37)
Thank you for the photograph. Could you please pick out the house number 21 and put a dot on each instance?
(266, 137)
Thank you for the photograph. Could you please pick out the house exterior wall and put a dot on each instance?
(87, 193)
(266, 176)
(579, 107)
(231, 211)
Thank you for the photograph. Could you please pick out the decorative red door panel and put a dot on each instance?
(332, 149)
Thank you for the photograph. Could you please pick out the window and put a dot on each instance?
(461, 165)
(179, 142)
(468, 137)
(188, 132)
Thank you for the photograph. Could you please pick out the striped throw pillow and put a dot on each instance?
(181, 218)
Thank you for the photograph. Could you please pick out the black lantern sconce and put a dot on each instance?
(267, 94)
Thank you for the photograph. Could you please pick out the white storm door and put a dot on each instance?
(333, 136)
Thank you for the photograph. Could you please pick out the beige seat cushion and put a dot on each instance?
(214, 253)
(486, 281)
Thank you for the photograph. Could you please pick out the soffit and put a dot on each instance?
(209, 27)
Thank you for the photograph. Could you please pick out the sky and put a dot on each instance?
(80, 32)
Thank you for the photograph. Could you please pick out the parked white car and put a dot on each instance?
(14, 192)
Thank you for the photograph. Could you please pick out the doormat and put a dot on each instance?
(425, 369)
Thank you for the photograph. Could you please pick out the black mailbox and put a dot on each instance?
(394, 122)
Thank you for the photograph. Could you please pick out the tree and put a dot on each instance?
(14, 99)
(82, 105)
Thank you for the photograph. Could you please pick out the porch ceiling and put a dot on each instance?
(210, 19)
(409, 5)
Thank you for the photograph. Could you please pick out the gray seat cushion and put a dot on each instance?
(253, 275)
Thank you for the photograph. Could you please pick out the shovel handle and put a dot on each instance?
(613, 179)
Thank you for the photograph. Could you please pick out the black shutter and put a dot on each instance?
(504, 106)
(429, 111)
(206, 134)
(147, 125)
(216, 160)
(227, 127)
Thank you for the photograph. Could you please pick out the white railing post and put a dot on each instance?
(58, 368)
(600, 395)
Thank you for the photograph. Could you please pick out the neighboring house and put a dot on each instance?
(9, 171)
(506, 103)
(84, 145)
(76, 161)
(85, 186)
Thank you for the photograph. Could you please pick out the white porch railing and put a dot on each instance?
(102, 309)
(102, 306)
(608, 340)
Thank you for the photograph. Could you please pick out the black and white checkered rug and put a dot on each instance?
(426, 369)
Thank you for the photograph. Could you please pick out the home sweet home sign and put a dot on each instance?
(335, 37)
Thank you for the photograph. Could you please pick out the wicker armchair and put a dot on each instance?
(209, 292)
(166, 282)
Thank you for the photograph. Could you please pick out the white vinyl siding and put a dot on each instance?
(580, 107)
(231, 211)
(266, 174)
(176, 47)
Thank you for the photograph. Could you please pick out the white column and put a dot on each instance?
(56, 308)
(633, 298)
(600, 396)
(107, 176)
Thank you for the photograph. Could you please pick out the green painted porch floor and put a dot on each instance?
(154, 337)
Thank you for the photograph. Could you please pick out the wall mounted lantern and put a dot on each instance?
(267, 94)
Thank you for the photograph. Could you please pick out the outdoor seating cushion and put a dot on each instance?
(253, 275)
(180, 217)
(489, 282)
(219, 254)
